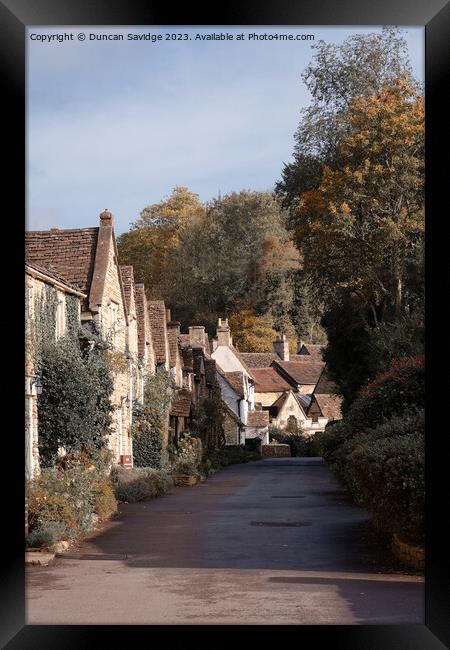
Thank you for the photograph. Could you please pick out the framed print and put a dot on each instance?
(225, 256)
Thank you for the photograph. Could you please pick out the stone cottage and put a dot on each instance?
(43, 284)
(238, 387)
(88, 259)
(283, 383)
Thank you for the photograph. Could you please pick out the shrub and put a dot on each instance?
(147, 438)
(387, 473)
(229, 455)
(186, 458)
(131, 485)
(47, 504)
(46, 534)
(299, 443)
(74, 495)
(74, 406)
(149, 420)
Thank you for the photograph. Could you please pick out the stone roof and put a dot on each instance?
(231, 413)
(52, 274)
(181, 406)
(172, 337)
(71, 253)
(144, 329)
(236, 381)
(310, 349)
(257, 419)
(127, 275)
(268, 380)
(326, 397)
(157, 315)
(257, 359)
(302, 372)
(330, 406)
(297, 396)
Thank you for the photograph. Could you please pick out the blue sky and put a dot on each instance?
(118, 124)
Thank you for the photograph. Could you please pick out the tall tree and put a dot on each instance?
(359, 67)
(154, 239)
(357, 230)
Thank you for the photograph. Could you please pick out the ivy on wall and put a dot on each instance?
(75, 404)
(149, 420)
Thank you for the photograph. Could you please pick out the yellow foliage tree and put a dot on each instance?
(358, 228)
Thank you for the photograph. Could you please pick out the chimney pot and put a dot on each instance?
(106, 217)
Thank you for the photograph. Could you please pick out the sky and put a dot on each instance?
(118, 124)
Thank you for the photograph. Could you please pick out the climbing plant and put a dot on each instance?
(75, 404)
(150, 420)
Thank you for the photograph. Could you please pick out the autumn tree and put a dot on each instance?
(154, 240)
(357, 230)
(359, 67)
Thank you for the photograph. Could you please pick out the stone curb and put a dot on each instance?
(38, 557)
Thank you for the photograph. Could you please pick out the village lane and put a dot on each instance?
(274, 541)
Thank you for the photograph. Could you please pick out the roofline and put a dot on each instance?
(41, 275)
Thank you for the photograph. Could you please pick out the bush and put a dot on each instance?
(147, 438)
(131, 485)
(46, 534)
(48, 505)
(186, 458)
(229, 455)
(74, 406)
(73, 496)
(387, 472)
(299, 443)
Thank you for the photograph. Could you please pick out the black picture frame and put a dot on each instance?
(15, 16)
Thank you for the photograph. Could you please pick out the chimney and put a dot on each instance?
(174, 324)
(168, 315)
(197, 336)
(281, 347)
(106, 218)
(223, 333)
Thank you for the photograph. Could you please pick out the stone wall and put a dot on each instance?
(275, 451)
(231, 430)
(113, 324)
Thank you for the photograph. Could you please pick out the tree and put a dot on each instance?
(154, 239)
(252, 332)
(357, 230)
(360, 67)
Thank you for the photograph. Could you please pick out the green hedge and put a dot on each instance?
(137, 484)
(377, 450)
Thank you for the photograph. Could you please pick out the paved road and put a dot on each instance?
(270, 542)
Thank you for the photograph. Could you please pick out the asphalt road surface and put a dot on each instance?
(274, 541)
